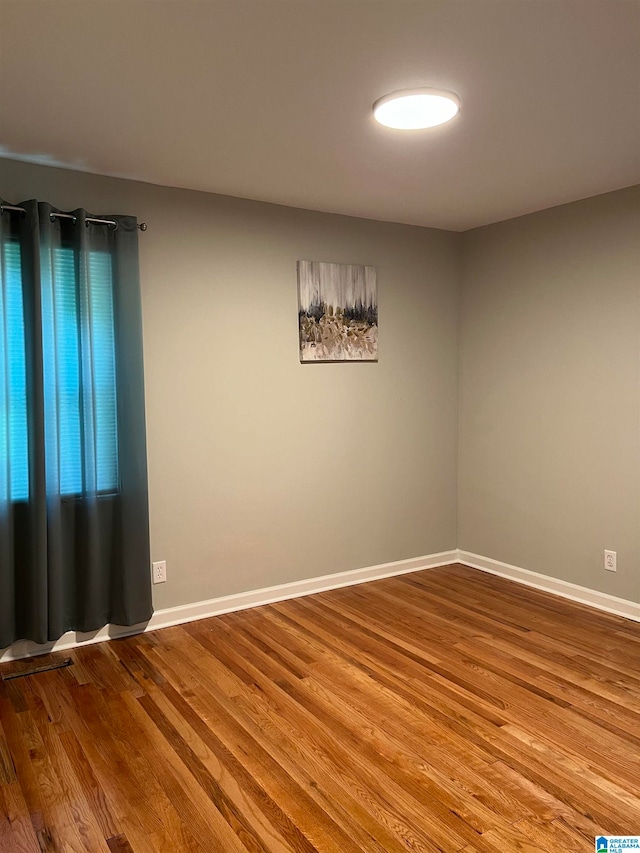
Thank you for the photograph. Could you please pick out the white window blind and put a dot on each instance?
(79, 375)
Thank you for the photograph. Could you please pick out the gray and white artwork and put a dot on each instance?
(337, 311)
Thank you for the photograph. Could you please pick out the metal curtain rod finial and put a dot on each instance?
(141, 225)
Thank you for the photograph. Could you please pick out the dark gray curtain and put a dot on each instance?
(74, 527)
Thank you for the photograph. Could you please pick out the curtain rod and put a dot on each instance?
(142, 225)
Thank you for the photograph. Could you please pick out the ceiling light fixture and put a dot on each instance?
(414, 109)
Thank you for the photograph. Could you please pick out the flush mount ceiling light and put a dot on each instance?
(414, 109)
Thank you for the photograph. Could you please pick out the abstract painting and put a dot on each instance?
(337, 312)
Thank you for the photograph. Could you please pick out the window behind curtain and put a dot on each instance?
(14, 476)
(78, 457)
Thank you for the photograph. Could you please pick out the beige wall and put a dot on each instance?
(262, 470)
(549, 453)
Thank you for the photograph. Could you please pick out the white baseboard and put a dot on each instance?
(581, 594)
(230, 603)
(254, 598)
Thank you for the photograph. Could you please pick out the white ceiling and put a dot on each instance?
(271, 99)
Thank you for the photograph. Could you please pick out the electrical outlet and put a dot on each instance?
(610, 561)
(159, 571)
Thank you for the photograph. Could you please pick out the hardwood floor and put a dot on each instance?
(446, 710)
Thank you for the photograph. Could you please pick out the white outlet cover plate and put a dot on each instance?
(610, 561)
(159, 571)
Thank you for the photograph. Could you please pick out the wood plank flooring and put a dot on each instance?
(446, 710)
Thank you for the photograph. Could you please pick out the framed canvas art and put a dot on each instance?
(337, 312)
